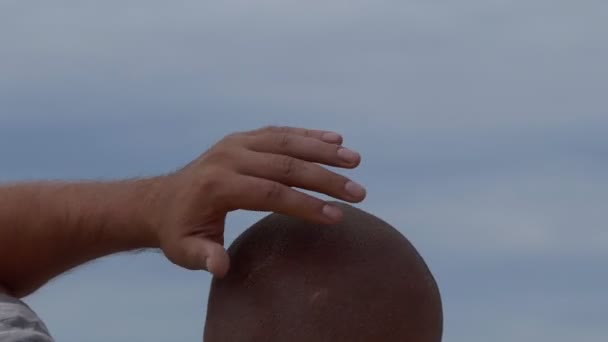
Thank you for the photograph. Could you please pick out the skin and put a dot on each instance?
(48, 228)
(359, 280)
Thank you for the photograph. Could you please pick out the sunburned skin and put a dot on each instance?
(291, 281)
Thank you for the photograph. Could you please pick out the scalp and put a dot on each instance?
(358, 280)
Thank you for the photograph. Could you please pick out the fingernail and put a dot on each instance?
(332, 212)
(347, 155)
(355, 190)
(331, 137)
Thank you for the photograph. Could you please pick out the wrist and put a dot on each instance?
(150, 203)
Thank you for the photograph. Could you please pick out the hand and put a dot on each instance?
(254, 171)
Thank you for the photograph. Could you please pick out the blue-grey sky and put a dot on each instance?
(482, 126)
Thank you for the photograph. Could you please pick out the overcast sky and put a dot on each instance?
(482, 126)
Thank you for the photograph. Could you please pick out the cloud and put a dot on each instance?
(472, 66)
(538, 213)
(481, 124)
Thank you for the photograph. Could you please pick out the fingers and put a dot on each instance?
(251, 193)
(271, 160)
(197, 253)
(326, 136)
(294, 172)
(304, 148)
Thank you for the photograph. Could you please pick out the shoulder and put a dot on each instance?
(18, 323)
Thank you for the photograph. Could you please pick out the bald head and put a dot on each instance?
(359, 280)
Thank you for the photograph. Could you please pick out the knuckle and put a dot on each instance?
(214, 185)
(217, 155)
(287, 166)
(272, 191)
(245, 141)
(210, 183)
(220, 195)
(282, 140)
(272, 129)
(233, 137)
(278, 129)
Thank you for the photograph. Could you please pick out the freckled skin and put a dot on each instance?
(358, 281)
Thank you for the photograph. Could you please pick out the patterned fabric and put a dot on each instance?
(18, 323)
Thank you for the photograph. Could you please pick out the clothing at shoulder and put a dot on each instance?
(18, 323)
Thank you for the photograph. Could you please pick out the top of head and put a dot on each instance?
(358, 280)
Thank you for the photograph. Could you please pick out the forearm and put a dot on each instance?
(47, 228)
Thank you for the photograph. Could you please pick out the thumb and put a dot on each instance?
(198, 253)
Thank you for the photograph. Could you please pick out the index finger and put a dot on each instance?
(326, 136)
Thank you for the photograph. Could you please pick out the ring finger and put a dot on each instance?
(298, 173)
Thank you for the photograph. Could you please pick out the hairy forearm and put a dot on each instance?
(47, 228)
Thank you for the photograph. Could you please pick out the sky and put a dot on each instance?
(481, 123)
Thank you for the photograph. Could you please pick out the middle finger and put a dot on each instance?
(291, 171)
(304, 148)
